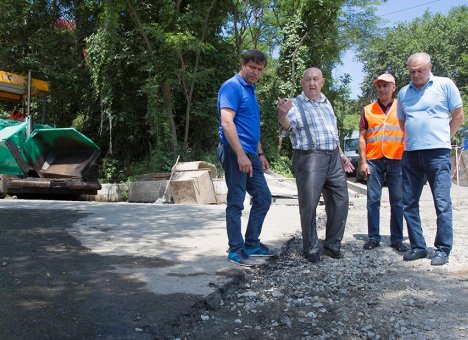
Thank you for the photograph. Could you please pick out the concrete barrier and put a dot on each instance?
(357, 187)
(150, 191)
(146, 191)
(110, 192)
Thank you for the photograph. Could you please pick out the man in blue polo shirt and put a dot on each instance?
(430, 111)
(243, 160)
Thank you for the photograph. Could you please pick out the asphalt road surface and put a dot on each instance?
(88, 270)
(52, 287)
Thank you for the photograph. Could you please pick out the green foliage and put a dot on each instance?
(300, 49)
(351, 122)
(168, 58)
(282, 166)
(79, 122)
(307, 43)
(462, 133)
(31, 40)
(443, 37)
(211, 156)
(110, 172)
(140, 78)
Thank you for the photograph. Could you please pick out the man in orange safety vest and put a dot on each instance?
(381, 144)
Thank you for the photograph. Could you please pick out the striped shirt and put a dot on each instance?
(320, 121)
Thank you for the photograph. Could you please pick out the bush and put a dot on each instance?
(282, 166)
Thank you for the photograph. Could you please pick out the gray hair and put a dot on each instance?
(419, 56)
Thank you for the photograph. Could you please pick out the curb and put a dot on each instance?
(357, 187)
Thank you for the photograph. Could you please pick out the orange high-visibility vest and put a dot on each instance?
(384, 137)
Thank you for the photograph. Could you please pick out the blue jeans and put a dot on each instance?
(379, 169)
(435, 164)
(238, 183)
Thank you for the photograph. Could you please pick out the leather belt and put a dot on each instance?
(309, 151)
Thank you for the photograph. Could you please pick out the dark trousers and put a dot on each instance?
(321, 172)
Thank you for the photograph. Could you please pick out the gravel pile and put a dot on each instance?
(367, 295)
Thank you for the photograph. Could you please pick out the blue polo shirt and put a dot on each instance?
(238, 95)
(426, 113)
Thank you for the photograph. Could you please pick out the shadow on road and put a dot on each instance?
(53, 287)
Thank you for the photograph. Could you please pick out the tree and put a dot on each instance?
(307, 42)
(443, 37)
(171, 57)
(141, 77)
(43, 37)
(254, 24)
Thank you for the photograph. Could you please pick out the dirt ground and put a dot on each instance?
(368, 295)
(52, 287)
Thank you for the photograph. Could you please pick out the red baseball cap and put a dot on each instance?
(385, 77)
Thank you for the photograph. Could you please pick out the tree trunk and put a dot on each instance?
(188, 88)
(168, 108)
(166, 89)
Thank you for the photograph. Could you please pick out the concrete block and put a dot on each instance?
(146, 191)
(220, 190)
(193, 187)
(197, 165)
(112, 193)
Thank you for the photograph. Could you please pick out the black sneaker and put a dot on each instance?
(399, 246)
(313, 257)
(415, 254)
(336, 254)
(371, 244)
(440, 258)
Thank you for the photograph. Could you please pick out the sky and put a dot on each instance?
(394, 12)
